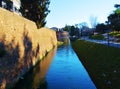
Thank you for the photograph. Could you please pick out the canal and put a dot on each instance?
(60, 69)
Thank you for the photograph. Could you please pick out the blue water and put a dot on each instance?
(67, 72)
(60, 69)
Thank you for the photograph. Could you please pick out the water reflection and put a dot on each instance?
(35, 79)
(67, 72)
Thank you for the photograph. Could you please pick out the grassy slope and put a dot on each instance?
(102, 63)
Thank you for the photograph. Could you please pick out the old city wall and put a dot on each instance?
(21, 46)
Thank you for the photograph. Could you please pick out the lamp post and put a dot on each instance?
(107, 23)
(108, 39)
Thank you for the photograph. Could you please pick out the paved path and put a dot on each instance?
(114, 44)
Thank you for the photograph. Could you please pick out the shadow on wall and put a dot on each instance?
(11, 66)
(27, 51)
(35, 78)
(2, 50)
(8, 61)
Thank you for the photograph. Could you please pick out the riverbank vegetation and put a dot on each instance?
(59, 43)
(115, 34)
(97, 37)
(102, 63)
(65, 42)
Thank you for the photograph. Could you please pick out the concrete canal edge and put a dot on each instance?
(22, 45)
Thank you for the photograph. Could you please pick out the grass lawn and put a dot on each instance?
(102, 63)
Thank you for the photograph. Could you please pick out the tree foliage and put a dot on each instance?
(117, 11)
(73, 31)
(67, 28)
(82, 24)
(117, 5)
(114, 18)
(35, 10)
(101, 28)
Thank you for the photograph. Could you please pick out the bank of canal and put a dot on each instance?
(62, 71)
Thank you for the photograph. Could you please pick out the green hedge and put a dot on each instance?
(102, 63)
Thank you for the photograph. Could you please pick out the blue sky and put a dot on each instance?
(71, 12)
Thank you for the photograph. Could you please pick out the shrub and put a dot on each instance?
(117, 36)
(114, 33)
(97, 37)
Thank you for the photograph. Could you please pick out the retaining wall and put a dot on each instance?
(21, 46)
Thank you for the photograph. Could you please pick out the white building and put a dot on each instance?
(16, 5)
(13, 5)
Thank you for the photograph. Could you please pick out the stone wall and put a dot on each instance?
(21, 46)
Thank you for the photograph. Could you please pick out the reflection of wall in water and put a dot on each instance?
(43, 68)
(62, 36)
(35, 79)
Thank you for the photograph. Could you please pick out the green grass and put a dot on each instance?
(102, 63)
(97, 37)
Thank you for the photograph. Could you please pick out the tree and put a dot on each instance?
(80, 25)
(35, 10)
(101, 28)
(67, 28)
(114, 19)
(74, 31)
(0, 3)
(117, 5)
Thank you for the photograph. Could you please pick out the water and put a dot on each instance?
(67, 72)
(61, 69)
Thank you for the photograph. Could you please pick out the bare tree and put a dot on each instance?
(93, 21)
(82, 24)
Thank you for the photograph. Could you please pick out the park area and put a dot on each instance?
(101, 61)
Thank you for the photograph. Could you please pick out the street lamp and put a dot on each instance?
(108, 38)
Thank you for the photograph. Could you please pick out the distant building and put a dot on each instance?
(56, 29)
(16, 5)
(86, 31)
(61, 35)
(12, 5)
